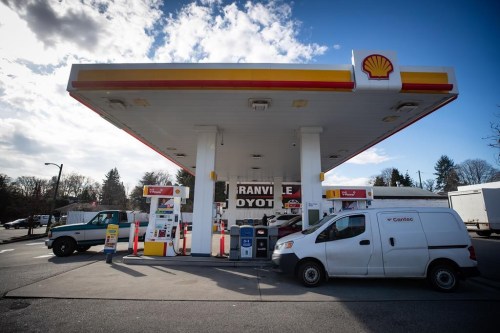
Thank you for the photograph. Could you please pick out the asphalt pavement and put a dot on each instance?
(216, 278)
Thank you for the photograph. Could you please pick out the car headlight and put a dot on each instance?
(285, 245)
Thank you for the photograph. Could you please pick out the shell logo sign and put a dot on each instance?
(377, 66)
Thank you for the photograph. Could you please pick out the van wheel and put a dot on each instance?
(311, 274)
(443, 277)
(82, 248)
(63, 247)
(484, 233)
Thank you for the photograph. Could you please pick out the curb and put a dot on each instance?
(194, 261)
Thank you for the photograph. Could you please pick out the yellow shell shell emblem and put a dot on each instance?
(377, 67)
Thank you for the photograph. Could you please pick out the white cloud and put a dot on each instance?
(257, 33)
(334, 179)
(40, 122)
(337, 46)
(370, 156)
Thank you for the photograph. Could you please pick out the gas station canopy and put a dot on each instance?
(259, 111)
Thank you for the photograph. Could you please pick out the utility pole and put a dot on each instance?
(420, 179)
(55, 195)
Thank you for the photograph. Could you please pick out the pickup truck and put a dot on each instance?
(65, 239)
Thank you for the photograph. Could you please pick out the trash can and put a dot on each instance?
(246, 242)
(234, 243)
(261, 248)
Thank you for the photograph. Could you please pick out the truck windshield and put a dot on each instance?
(315, 227)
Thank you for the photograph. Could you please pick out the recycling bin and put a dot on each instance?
(246, 242)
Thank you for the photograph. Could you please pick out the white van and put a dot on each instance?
(430, 243)
(43, 219)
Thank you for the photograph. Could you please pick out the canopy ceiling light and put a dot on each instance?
(390, 119)
(300, 103)
(261, 104)
(117, 104)
(406, 107)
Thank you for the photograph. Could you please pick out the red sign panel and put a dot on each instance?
(160, 190)
(352, 194)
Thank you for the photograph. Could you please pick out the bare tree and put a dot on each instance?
(386, 176)
(163, 177)
(28, 185)
(475, 171)
(495, 137)
(75, 184)
(429, 185)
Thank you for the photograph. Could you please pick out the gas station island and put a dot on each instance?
(273, 125)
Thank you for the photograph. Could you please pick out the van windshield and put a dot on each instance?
(318, 224)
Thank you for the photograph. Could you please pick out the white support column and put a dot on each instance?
(278, 196)
(201, 241)
(310, 170)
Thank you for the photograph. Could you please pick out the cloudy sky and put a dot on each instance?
(40, 122)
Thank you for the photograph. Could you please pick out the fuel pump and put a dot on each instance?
(163, 232)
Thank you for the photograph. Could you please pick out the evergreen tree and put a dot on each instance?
(379, 181)
(447, 177)
(113, 191)
(407, 181)
(392, 177)
(184, 178)
(395, 177)
(6, 197)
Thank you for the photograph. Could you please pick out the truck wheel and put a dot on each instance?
(63, 247)
(443, 277)
(310, 273)
(484, 233)
(82, 248)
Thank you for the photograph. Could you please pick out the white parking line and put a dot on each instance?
(39, 243)
(6, 250)
(44, 256)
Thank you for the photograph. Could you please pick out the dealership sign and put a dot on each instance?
(262, 196)
(254, 196)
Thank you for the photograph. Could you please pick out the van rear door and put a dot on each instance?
(404, 245)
